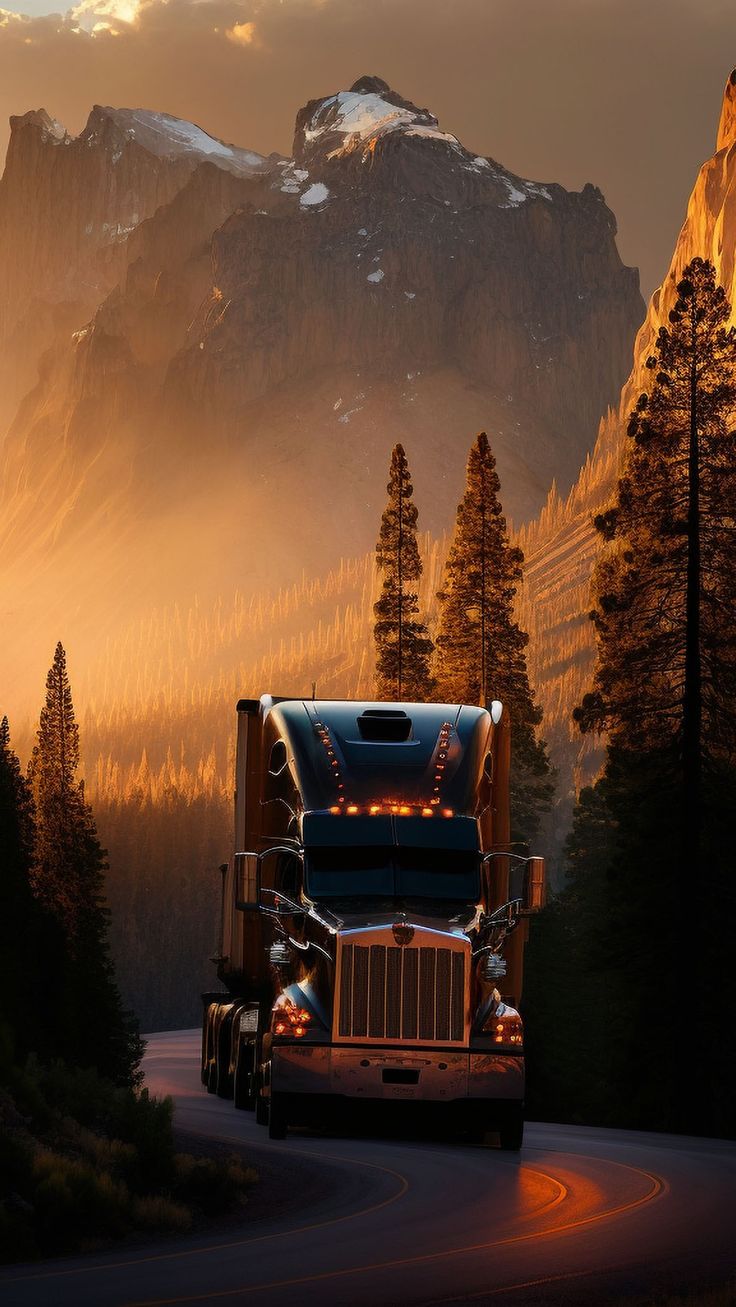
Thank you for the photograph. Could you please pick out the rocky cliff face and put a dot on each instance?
(561, 546)
(407, 253)
(67, 207)
(270, 328)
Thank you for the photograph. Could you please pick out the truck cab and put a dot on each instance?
(372, 915)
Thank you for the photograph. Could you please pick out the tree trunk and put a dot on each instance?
(400, 572)
(692, 709)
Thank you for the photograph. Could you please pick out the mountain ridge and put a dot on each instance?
(227, 408)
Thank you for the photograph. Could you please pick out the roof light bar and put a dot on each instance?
(390, 809)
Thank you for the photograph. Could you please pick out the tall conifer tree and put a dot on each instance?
(28, 942)
(480, 648)
(666, 592)
(403, 646)
(69, 881)
(657, 898)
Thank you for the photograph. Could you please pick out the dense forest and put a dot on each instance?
(86, 1156)
(636, 948)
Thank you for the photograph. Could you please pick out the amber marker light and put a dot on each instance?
(334, 811)
(374, 809)
(508, 1030)
(351, 809)
(427, 812)
(447, 812)
(288, 1019)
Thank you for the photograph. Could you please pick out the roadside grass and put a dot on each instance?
(83, 1163)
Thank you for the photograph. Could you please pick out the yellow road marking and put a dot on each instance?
(658, 1186)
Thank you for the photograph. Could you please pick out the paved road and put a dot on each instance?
(582, 1216)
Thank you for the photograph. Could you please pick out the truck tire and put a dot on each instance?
(205, 1045)
(224, 1079)
(511, 1129)
(277, 1123)
(243, 1095)
(209, 1070)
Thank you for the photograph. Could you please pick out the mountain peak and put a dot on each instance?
(371, 85)
(165, 136)
(727, 125)
(349, 120)
(49, 126)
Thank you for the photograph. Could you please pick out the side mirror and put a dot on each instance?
(247, 882)
(535, 889)
(248, 875)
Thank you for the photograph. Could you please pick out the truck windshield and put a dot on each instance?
(388, 873)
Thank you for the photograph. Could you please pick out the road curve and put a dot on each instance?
(583, 1215)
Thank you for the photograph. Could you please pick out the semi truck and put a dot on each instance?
(373, 916)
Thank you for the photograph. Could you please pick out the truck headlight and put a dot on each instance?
(287, 1018)
(505, 1026)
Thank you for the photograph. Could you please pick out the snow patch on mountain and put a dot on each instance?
(361, 115)
(166, 137)
(521, 191)
(357, 114)
(436, 135)
(317, 193)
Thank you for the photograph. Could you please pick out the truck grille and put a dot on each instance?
(389, 992)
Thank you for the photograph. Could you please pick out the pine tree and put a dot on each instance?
(666, 592)
(68, 877)
(481, 651)
(665, 690)
(403, 646)
(29, 944)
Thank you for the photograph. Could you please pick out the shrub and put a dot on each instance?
(76, 1205)
(83, 1162)
(155, 1212)
(213, 1186)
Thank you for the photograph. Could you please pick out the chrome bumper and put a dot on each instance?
(383, 1073)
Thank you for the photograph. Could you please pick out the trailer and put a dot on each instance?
(373, 916)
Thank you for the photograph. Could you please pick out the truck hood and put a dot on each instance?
(385, 920)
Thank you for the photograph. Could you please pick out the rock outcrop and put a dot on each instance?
(67, 207)
(561, 546)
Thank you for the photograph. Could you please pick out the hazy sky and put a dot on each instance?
(623, 93)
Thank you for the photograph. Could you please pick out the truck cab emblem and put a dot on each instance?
(402, 932)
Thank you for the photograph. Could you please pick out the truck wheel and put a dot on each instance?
(205, 1044)
(224, 1049)
(243, 1096)
(277, 1123)
(209, 1070)
(511, 1130)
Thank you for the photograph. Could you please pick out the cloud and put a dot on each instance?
(10, 19)
(570, 91)
(242, 33)
(95, 16)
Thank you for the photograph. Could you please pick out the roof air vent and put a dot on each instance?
(384, 725)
